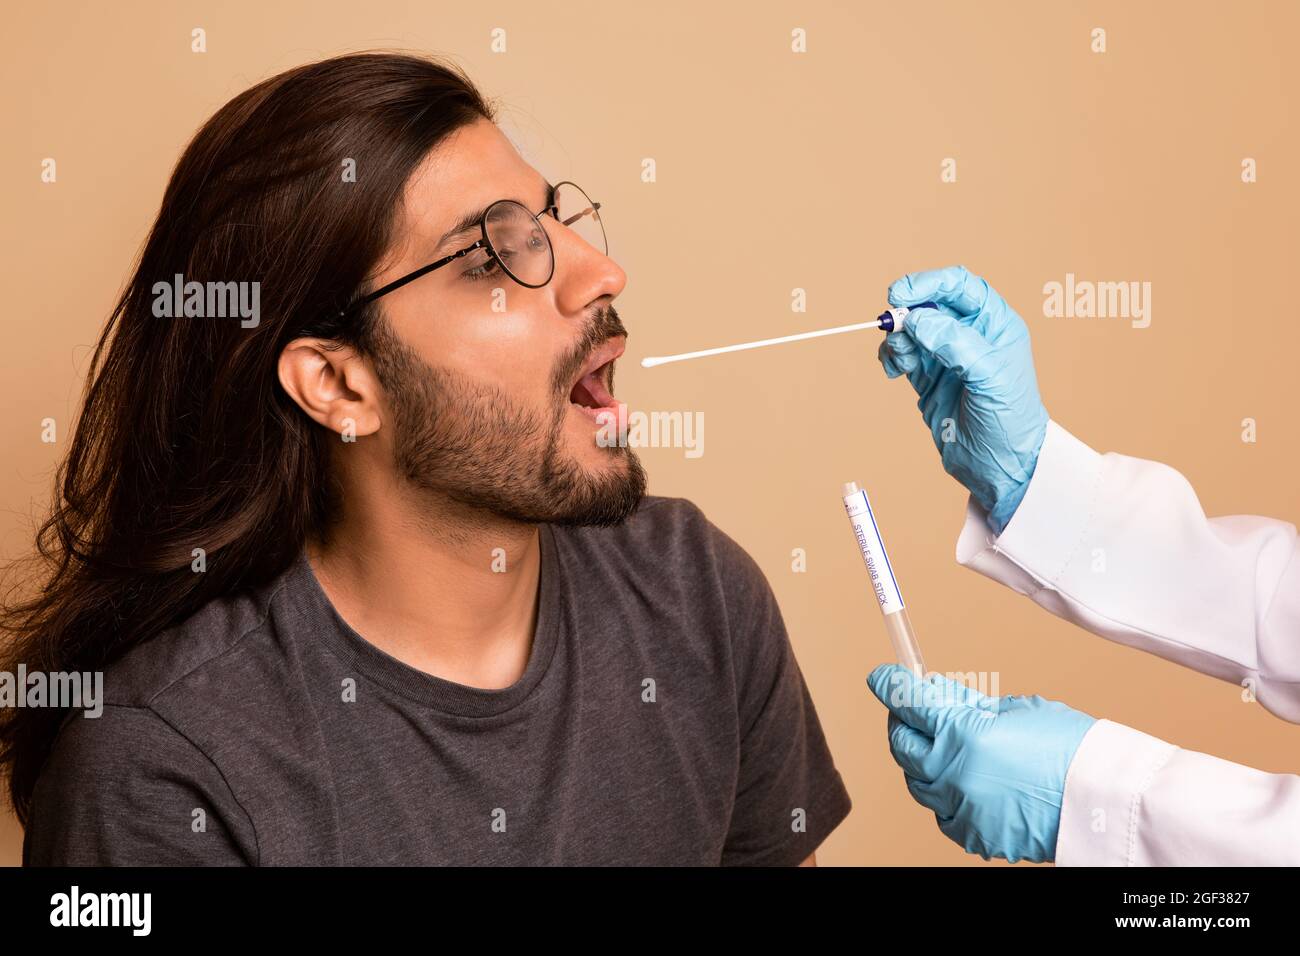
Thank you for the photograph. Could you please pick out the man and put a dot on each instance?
(380, 596)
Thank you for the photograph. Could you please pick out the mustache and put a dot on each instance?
(604, 325)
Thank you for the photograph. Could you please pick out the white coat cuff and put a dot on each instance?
(1111, 771)
(1048, 526)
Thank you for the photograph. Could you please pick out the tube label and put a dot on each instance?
(872, 547)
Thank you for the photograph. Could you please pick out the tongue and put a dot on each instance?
(594, 389)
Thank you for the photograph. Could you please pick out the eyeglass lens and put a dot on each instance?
(522, 244)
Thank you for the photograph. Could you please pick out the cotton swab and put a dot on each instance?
(889, 320)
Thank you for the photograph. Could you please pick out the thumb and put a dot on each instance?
(907, 697)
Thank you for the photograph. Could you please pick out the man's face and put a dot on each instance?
(480, 401)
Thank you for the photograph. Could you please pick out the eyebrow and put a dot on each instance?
(470, 220)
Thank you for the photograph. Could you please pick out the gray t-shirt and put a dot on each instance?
(662, 720)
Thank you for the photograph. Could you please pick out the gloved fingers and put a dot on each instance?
(933, 798)
(954, 345)
(903, 693)
(1034, 702)
(898, 354)
(970, 297)
(956, 693)
(1013, 702)
(886, 357)
(939, 398)
(922, 704)
(909, 748)
(993, 318)
(953, 286)
(959, 833)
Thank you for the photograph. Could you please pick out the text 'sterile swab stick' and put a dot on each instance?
(889, 320)
(883, 582)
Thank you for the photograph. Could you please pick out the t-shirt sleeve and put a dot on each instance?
(789, 794)
(127, 789)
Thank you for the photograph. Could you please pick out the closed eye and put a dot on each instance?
(487, 270)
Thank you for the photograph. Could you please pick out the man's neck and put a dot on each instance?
(443, 588)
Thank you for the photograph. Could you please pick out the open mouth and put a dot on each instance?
(592, 391)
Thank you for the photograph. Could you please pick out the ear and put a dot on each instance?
(332, 384)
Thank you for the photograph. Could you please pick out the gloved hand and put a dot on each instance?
(991, 768)
(970, 363)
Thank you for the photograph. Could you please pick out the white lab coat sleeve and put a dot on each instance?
(1121, 547)
(1134, 800)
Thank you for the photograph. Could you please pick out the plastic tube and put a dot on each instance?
(897, 624)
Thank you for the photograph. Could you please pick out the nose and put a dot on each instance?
(582, 272)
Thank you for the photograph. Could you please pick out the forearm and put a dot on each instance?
(1121, 547)
(1134, 800)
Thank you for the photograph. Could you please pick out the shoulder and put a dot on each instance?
(137, 727)
(214, 640)
(114, 743)
(125, 788)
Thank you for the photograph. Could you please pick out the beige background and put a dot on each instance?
(776, 171)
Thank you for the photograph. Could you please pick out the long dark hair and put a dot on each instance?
(185, 438)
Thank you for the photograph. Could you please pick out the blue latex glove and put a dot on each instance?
(970, 363)
(991, 768)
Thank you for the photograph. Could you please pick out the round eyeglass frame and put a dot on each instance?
(485, 243)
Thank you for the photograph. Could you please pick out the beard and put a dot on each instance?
(472, 443)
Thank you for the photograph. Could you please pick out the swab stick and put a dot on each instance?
(889, 321)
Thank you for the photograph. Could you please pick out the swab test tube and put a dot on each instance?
(897, 624)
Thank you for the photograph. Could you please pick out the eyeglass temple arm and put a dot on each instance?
(595, 206)
(425, 270)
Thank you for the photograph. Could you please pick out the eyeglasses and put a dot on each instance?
(514, 239)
